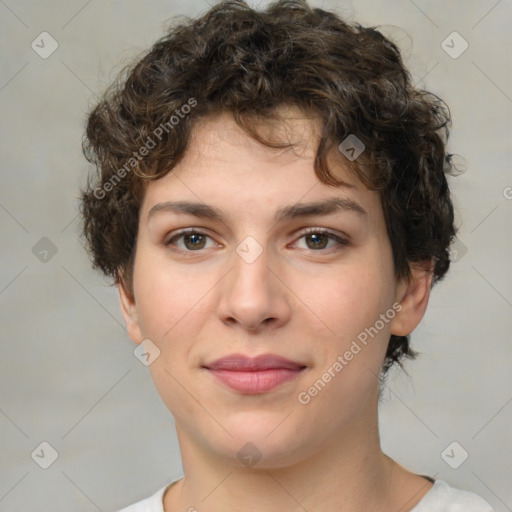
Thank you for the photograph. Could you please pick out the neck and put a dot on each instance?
(349, 472)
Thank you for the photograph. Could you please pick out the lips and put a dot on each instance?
(254, 375)
(239, 362)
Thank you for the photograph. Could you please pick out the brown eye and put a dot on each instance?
(318, 239)
(191, 241)
(195, 240)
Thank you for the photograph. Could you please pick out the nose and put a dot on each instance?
(253, 296)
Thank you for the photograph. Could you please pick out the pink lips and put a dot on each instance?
(254, 375)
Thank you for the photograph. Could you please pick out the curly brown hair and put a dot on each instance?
(249, 63)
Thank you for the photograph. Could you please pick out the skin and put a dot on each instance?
(296, 300)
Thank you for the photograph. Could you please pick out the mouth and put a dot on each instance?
(254, 375)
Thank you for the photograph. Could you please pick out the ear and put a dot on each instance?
(129, 312)
(413, 295)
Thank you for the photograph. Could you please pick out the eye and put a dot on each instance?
(319, 238)
(193, 240)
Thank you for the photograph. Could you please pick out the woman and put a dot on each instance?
(271, 202)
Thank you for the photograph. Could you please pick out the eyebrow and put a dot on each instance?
(205, 211)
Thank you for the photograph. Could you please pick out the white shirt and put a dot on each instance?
(440, 498)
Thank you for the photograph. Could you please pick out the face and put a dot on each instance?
(264, 274)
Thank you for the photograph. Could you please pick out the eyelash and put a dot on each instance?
(342, 242)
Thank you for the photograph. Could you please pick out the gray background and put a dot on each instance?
(68, 375)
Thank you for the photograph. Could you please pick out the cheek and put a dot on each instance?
(349, 299)
(167, 296)
(351, 303)
(171, 310)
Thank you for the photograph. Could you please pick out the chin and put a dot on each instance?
(260, 444)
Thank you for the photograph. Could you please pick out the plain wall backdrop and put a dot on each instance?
(68, 375)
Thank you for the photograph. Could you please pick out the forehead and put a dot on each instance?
(224, 166)
(219, 137)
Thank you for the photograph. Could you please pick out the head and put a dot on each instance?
(248, 114)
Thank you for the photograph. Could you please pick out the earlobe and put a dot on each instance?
(413, 296)
(129, 312)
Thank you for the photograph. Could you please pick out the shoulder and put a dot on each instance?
(444, 498)
(152, 504)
